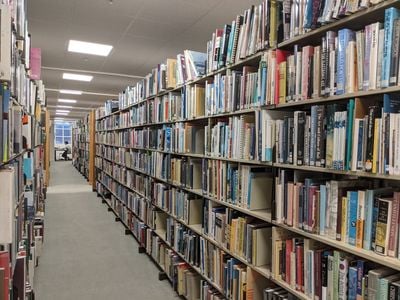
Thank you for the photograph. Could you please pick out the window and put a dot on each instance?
(62, 133)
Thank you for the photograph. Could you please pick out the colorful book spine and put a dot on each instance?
(344, 37)
(391, 15)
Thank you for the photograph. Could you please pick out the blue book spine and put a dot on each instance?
(263, 84)
(313, 140)
(360, 161)
(309, 12)
(322, 207)
(349, 133)
(391, 14)
(369, 203)
(344, 36)
(352, 217)
(352, 283)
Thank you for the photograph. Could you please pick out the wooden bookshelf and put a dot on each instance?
(47, 148)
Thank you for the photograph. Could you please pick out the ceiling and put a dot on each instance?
(143, 33)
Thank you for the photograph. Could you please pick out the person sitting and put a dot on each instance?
(66, 151)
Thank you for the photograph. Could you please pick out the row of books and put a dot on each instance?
(80, 145)
(19, 129)
(243, 236)
(233, 91)
(345, 62)
(250, 32)
(179, 137)
(321, 272)
(351, 211)
(248, 187)
(359, 136)
(232, 137)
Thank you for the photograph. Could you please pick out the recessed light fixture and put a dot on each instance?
(63, 111)
(67, 100)
(89, 48)
(71, 92)
(64, 106)
(61, 114)
(78, 77)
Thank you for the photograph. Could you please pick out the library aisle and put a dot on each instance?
(86, 254)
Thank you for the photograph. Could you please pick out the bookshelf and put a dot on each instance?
(22, 156)
(47, 148)
(217, 172)
(83, 147)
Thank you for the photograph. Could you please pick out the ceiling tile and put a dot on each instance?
(154, 30)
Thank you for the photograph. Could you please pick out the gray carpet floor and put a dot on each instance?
(86, 254)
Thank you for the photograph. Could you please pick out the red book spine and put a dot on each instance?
(289, 247)
(5, 264)
(318, 274)
(311, 198)
(300, 268)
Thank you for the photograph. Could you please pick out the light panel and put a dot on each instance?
(89, 48)
(77, 77)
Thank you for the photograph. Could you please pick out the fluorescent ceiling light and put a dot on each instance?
(89, 48)
(78, 77)
(63, 110)
(71, 92)
(67, 100)
(64, 106)
(61, 114)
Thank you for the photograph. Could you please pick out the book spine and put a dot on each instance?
(341, 62)
(367, 53)
(352, 218)
(382, 225)
(394, 61)
(313, 135)
(300, 138)
(391, 14)
(394, 227)
(324, 67)
(320, 137)
(370, 138)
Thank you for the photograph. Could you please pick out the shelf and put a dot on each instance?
(340, 172)
(220, 115)
(355, 21)
(323, 100)
(194, 155)
(390, 262)
(7, 162)
(270, 164)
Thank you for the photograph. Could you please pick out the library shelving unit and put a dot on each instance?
(47, 152)
(22, 135)
(272, 173)
(83, 146)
